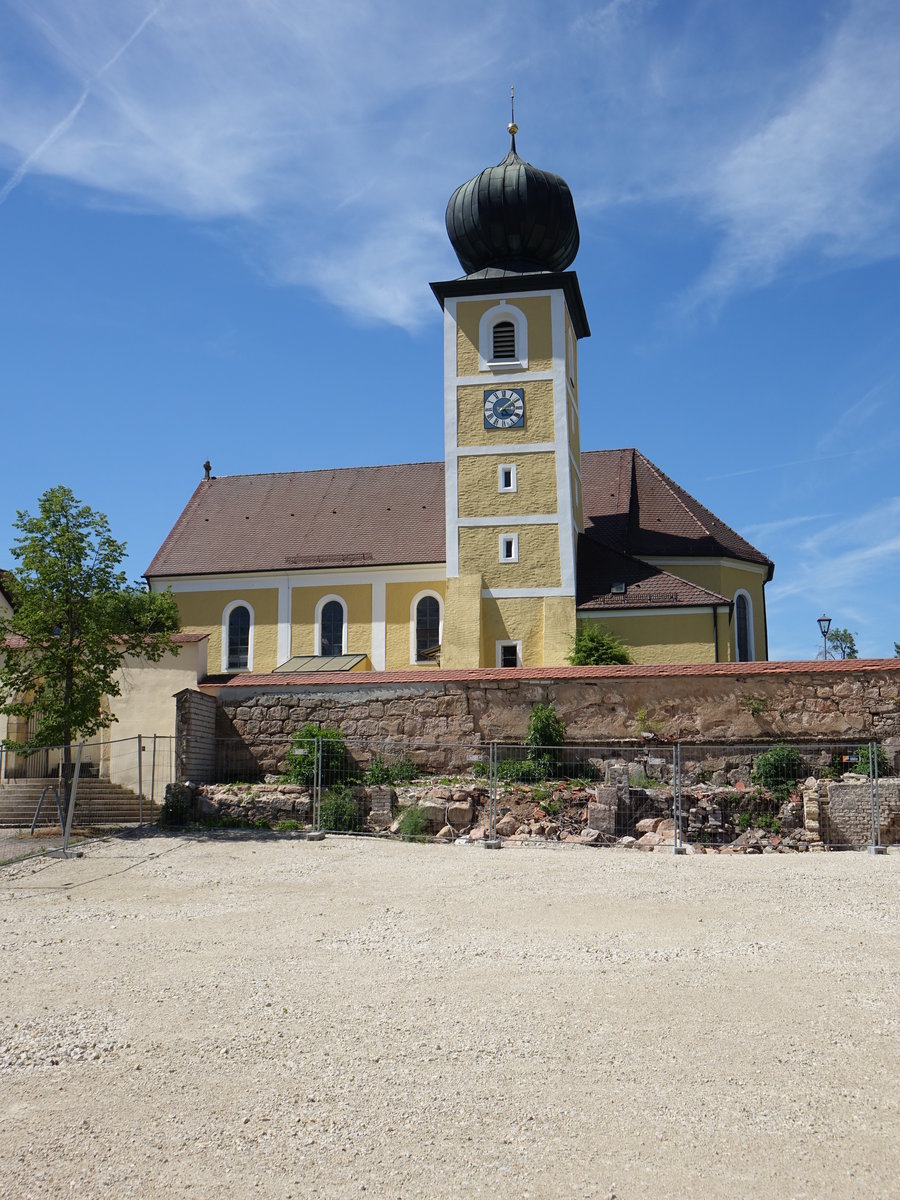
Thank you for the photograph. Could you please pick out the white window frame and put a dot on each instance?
(509, 642)
(751, 648)
(571, 348)
(493, 316)
(514, 483)
(318, 621)
(412, 621)
(513, 540)
(226, 615)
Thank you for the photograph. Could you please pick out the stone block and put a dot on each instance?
(460, 813)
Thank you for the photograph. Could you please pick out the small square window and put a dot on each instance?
(506, 477)
(509, 547)
(509, 654)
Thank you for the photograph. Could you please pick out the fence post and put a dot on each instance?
(316, 834)
(74, 792)
(677, 847)
(876, 847)
(140, 751)
(152, 778)
(492, 842)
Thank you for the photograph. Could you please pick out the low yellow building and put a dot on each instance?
(494, 556)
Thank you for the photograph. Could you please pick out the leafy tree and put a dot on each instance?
(595, 646)
(897, 649)
(842, 643)
(74, 620)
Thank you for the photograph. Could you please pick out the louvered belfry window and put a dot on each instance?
(504, 340)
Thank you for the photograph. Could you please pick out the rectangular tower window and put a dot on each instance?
(509, 654)
(509, 547)
(506, 477)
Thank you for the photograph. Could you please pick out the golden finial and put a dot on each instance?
(512, 126)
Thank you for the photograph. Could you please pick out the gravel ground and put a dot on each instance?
(246, 1016)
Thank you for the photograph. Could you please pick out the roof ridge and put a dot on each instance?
(431, 462)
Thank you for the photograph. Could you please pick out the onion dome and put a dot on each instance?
(513, 218)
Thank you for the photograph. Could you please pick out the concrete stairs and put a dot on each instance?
(98, 802)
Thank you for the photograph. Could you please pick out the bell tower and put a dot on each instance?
(512, 323)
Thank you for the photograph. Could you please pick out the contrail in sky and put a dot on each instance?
(58, 130)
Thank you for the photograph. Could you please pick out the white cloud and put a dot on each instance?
(821, 174)
(333, 131)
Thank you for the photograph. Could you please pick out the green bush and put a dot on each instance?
(300, 768)
(381, 772)
(339, 812)
(544, 728)
(862, 767)
(525, 770)
(413, 824)
(595, 646)
(479, 770)
(778, 770)
(177, 808)
(378, 773)
(287, 826)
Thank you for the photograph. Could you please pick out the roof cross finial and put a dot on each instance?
(512, 126)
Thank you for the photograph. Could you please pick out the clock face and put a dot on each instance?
(504, 408)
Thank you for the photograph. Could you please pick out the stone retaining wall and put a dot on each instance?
(460, 711)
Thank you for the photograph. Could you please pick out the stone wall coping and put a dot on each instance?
(368, 679)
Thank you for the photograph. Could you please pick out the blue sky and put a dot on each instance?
(219, 218)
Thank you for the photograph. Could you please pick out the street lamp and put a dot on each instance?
(824, 626)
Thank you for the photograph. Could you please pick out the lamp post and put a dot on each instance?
(824, 626)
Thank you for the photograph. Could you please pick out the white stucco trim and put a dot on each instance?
(412, 621)
(331, 597)
(509, 642)
(503, 519)
(521, 593)
(425, 573)
(226, 613)
(283, 649)
(504, 311)
(751, 646)
(511, 377)
(509, 448)
(379, 625)
(451, 436)
(561, 430)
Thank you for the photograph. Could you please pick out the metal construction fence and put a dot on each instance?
(759, 796)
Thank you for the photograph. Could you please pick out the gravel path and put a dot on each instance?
(239, 1017)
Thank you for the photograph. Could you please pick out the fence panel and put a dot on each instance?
(785, 796)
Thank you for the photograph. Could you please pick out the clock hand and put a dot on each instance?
(504, 408)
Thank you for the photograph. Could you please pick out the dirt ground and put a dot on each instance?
(239, 1016)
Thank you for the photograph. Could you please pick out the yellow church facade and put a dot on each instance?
(495, 556)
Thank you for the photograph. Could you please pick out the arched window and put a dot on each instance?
(504, 340)
(237, 636)
(743, 627)
(425, 627)
(331, 626)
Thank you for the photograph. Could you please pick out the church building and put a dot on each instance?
(495, 556)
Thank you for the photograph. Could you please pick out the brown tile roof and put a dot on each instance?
(352, 516)
(599, 568)
(632, 506)
(379, 516)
